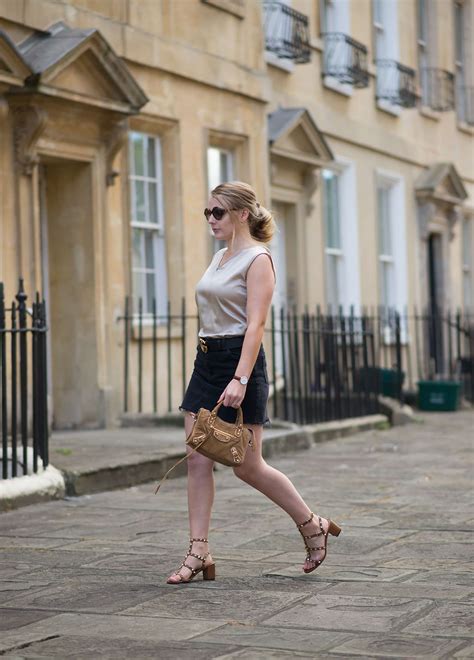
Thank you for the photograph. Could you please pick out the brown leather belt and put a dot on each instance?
(220, 343)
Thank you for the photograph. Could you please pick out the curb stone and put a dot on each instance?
(54, 484)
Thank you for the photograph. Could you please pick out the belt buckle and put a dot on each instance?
(203, 344)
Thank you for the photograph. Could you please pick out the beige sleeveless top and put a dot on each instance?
(221, 293)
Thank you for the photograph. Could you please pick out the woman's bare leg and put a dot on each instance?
(200, 501)
(278, 488)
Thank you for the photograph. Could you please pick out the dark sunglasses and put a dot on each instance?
(217, 212)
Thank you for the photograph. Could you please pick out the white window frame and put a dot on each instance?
(348, 253)
(160, 280)
(395, 184)
(467, 248)
(212, 182)
(335, 17)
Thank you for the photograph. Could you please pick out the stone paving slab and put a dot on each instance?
(397, 646)
(107, 627)
(85, 577)
(446, 620)
(355, 613)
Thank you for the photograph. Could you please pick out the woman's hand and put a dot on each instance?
(234, 394)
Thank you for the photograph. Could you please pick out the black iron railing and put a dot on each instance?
(465, 104)
(396, 83)
(23, 383)
(286, 32)
(321, 366)
(345, 59)
(437, 89)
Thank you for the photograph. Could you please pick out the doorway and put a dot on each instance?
(435, 302)
(68, 280)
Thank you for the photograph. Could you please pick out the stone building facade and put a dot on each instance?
(118, 116)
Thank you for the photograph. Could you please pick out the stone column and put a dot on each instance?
(29, 122)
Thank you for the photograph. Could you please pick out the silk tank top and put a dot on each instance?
(221, 293)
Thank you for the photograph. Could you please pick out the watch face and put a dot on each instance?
(244, 380)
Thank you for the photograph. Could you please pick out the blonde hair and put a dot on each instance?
(239, 195)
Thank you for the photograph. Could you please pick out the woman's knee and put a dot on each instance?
(197, 464)
(249, 472)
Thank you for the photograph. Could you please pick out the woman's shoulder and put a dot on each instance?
(255, 252)
(259, 249)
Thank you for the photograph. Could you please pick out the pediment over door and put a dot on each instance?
(13, 69)
(293, 135)
(441, 183)
(440, 193)
(75, 64)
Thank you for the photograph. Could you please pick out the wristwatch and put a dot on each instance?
(243, 380)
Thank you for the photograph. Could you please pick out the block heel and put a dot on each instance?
(208, 572)
(333, 528)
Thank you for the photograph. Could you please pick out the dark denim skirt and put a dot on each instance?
(213, 371)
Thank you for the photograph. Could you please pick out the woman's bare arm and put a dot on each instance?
(260, 286)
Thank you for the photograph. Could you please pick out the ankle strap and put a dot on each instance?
(306, 522)
(202, 540)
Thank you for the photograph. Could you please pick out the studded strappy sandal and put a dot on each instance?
(208, 572)
(333, 529)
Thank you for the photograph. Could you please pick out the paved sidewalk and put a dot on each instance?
(92, 461)
(84, 577)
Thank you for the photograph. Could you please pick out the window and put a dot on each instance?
(392, 265)
(149, 273)
(460, 61)
(425, 56)
(385, 30)
(386, 252)
(341, 243)
(220, 168)
(333, 246)
(335, 16)
(344, 59)
(467, 250)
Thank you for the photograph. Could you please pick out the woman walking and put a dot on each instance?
(233, 298)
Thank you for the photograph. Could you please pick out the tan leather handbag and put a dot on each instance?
(221, 441)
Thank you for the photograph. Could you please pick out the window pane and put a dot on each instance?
(332, 272)
(467, 243)
(384, 221)
(138, 212)
(149, 248)
(458, 32)
(152, 201)
(467, 291)
(422, 21)
(224, 166)
(138, 289)
(331, 210)
(137, 154)
(137, 248)
(213, 168)
(150, 291)
(377, 8)
(151, 157)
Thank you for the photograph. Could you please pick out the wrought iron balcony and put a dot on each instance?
(286, 32)
(396, 83)
(345, 59)
(465, 104)
(437, 89)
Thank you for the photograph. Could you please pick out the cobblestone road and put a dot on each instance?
(84, 578)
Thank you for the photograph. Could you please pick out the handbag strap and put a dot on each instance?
(188, 454)
(239, 422)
